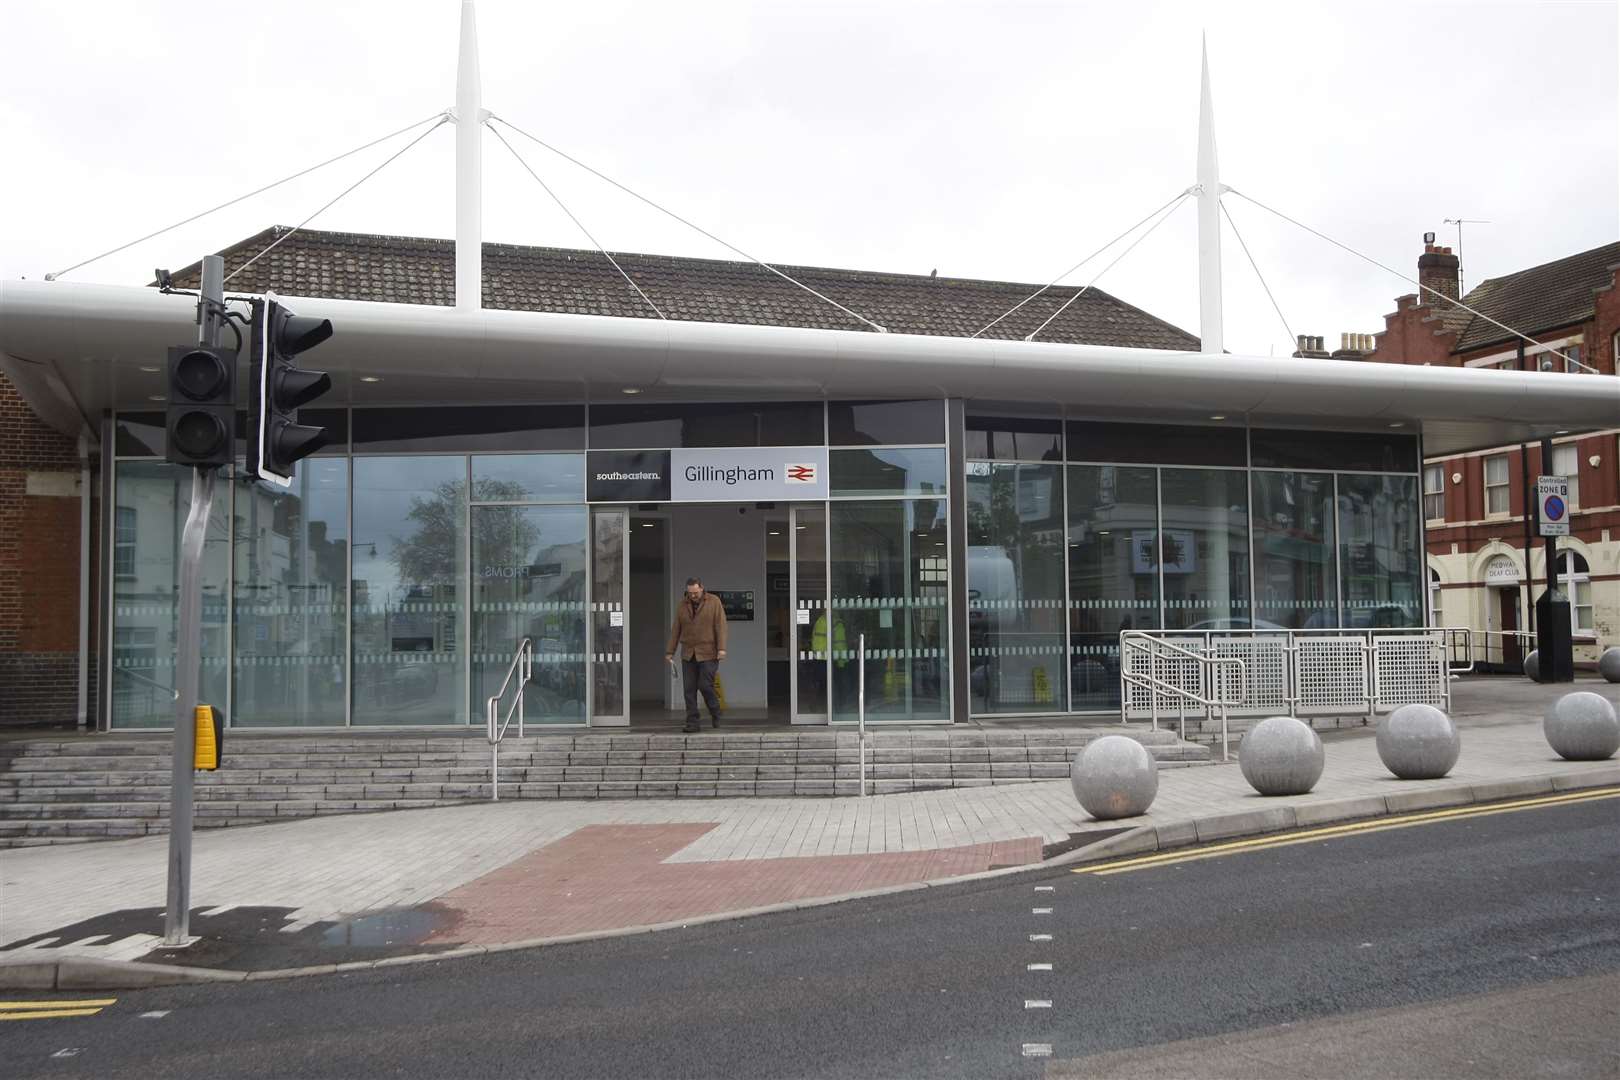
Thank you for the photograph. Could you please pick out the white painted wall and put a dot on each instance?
(727, 550)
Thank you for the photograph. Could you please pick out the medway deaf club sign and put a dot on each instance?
(742, 474)
(1552, 494)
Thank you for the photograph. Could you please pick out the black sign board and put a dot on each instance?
(739, 604)
(627, 476)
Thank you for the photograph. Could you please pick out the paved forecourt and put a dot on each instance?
(515, 871)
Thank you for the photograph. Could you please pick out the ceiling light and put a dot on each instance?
(631, 390)
(156, 397)
(646, 524)
(775, 532)
(1398, 423)
(150, 369)
(1564, 432)
(1218, 416)
(369, 378)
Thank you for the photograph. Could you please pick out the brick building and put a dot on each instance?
(1474, 503)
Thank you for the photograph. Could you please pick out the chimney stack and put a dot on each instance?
(1437, 270)
(1353, 346)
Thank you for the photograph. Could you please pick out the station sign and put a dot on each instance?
(1552, 495)
(727, 474)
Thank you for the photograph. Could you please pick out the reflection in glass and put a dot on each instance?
(529, 581)
(813, 632)
(607, 612)
(891, 582)
(1015, 587)
(152, 500)
(1294, 576)
(1113, 573)
(874, 423)
(1380, 551)
(887, 472)
(291, 599)
(546, 478)
(410, 556)
(669, 425)
(1204, 546)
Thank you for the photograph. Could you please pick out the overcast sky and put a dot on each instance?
(982, 140)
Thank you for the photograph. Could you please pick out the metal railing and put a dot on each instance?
(1156, 649)
(521, 668)
(1484, 646)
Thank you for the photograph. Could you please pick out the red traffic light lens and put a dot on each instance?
(200, 375)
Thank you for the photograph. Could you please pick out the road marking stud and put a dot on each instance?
(1037, 1050)
(1037, 1004)
(1040, 911)
(1043, 888)
(1171, 858)
(1040, 937)
(1037, 967)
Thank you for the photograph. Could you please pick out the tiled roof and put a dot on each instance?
(1531, 301)
(414, 270)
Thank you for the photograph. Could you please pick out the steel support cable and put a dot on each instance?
(1292, 341)
(443, 119)
(695, 228)
(1073, 268)
(1412, 281)
(1163, 217)
(581, 225)
(241, 198)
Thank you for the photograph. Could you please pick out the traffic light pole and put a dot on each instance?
(188, 647)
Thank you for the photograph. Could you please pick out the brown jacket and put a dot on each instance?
(702, 635)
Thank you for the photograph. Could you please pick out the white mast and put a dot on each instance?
(1210, 331)
(470, 117)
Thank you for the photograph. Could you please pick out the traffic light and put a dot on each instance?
(276, 441)
(201, 422)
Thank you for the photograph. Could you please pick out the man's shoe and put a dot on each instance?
(691, 729)
(716, 720)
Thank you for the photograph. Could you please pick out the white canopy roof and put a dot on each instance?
(74, 350)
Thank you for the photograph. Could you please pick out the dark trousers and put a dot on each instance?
(697, 676)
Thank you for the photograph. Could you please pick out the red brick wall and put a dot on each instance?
(39, 568)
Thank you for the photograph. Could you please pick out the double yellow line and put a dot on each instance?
(1146, 862)
(49, 1010)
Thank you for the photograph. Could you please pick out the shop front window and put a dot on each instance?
(1015, 587)
(410, 560)
(1204, 549)
(1380, 551)
(1113, 573)
(1295, 576)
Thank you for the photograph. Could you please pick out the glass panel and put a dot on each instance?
(812, 635)
(1380, 551)
(1008, 439)
(1151, 444)
(1295, 582)
(292, 603)
(152, 500)
(1204, 542)
(607, 613)
(868, 423)
(891, 582)
(1334, 450)
(667, 426)
(887, 472)
(1113, 573)
(410, 560)
(529, 581)
(529, 478)
(470, 427)
(138, 434)
(1015, 587)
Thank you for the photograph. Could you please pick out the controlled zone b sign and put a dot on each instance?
(1552, 496)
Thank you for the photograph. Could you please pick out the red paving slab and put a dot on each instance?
(603, 877)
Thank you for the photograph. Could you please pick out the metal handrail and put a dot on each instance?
(522, 666)
(174, 695)
(1154, 685)
(1524, 637)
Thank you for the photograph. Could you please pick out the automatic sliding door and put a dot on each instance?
(814, 637)
(610, 674)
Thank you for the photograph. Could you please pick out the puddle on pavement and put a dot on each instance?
(407, 926)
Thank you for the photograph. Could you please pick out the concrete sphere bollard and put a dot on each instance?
(1281, 756)
(1418, 742)
(1114, 777)
(1609, 664)
(1532, 665)
(1582, 727)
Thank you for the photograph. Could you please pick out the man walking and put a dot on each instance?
(700, 633)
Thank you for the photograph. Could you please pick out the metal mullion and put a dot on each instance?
(230, 601)
(348, 592)
(464, 616)
(1338, 546)
(793, 602)
(1248, 524)
(1158, 540)
(1068, 660)
(109, 516)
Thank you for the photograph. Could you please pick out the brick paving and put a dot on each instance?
(606, 876)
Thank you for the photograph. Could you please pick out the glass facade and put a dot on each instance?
(1015, 587)
(389, 589)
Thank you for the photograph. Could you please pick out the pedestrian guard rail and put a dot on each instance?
(1469, 648)
(499, 710)
(1302, 673)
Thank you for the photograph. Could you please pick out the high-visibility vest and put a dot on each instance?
(818, 638)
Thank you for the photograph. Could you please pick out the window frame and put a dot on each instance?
(1506, 485)
(1573, 476)
(1572, 578)
(1439, 472)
